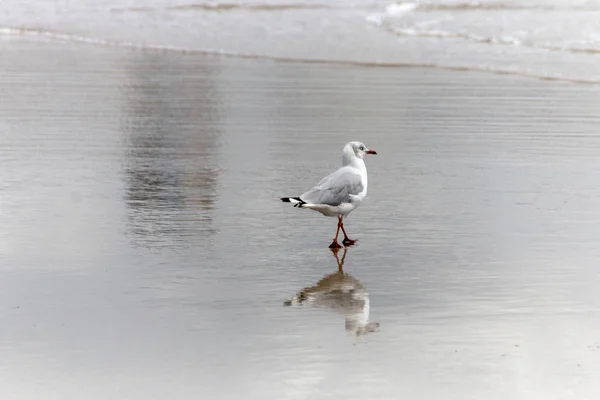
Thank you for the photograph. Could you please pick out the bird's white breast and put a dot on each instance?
(362, 170)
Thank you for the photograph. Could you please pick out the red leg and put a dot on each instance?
(347, 241)
(335, 244)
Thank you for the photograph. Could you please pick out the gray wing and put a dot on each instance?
(336, 188)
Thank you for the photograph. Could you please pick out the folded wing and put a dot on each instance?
(336, 188)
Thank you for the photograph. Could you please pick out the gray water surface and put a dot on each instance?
(145, 253)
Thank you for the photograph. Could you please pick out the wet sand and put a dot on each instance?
(145, 253)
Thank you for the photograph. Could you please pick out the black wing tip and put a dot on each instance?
(289, 200)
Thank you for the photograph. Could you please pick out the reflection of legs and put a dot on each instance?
(340, 263)
(335, 244)
(347, 241)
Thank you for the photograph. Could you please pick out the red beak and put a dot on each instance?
(371, 152)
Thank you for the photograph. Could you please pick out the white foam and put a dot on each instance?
(375, 19)
(400, 9)
(406, 33)
(394, 10)
(65, 37)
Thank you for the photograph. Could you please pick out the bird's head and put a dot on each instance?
(358, 149)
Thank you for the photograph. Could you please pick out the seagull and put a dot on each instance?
(338, 194)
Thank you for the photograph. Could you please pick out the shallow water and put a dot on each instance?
(145, 253)
(549, 39)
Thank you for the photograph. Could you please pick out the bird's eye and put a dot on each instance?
(362, 148)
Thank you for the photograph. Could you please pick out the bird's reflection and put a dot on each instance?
(340, 293)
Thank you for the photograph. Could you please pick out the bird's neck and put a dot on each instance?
(351, 159)
(354, 162)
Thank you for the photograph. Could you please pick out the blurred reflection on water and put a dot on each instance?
(340, 293)
(172, 140)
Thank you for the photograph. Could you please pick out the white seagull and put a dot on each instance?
(338, 194)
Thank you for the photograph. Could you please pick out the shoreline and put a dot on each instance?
(55, 37)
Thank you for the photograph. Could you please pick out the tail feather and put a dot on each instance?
(296, 201)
